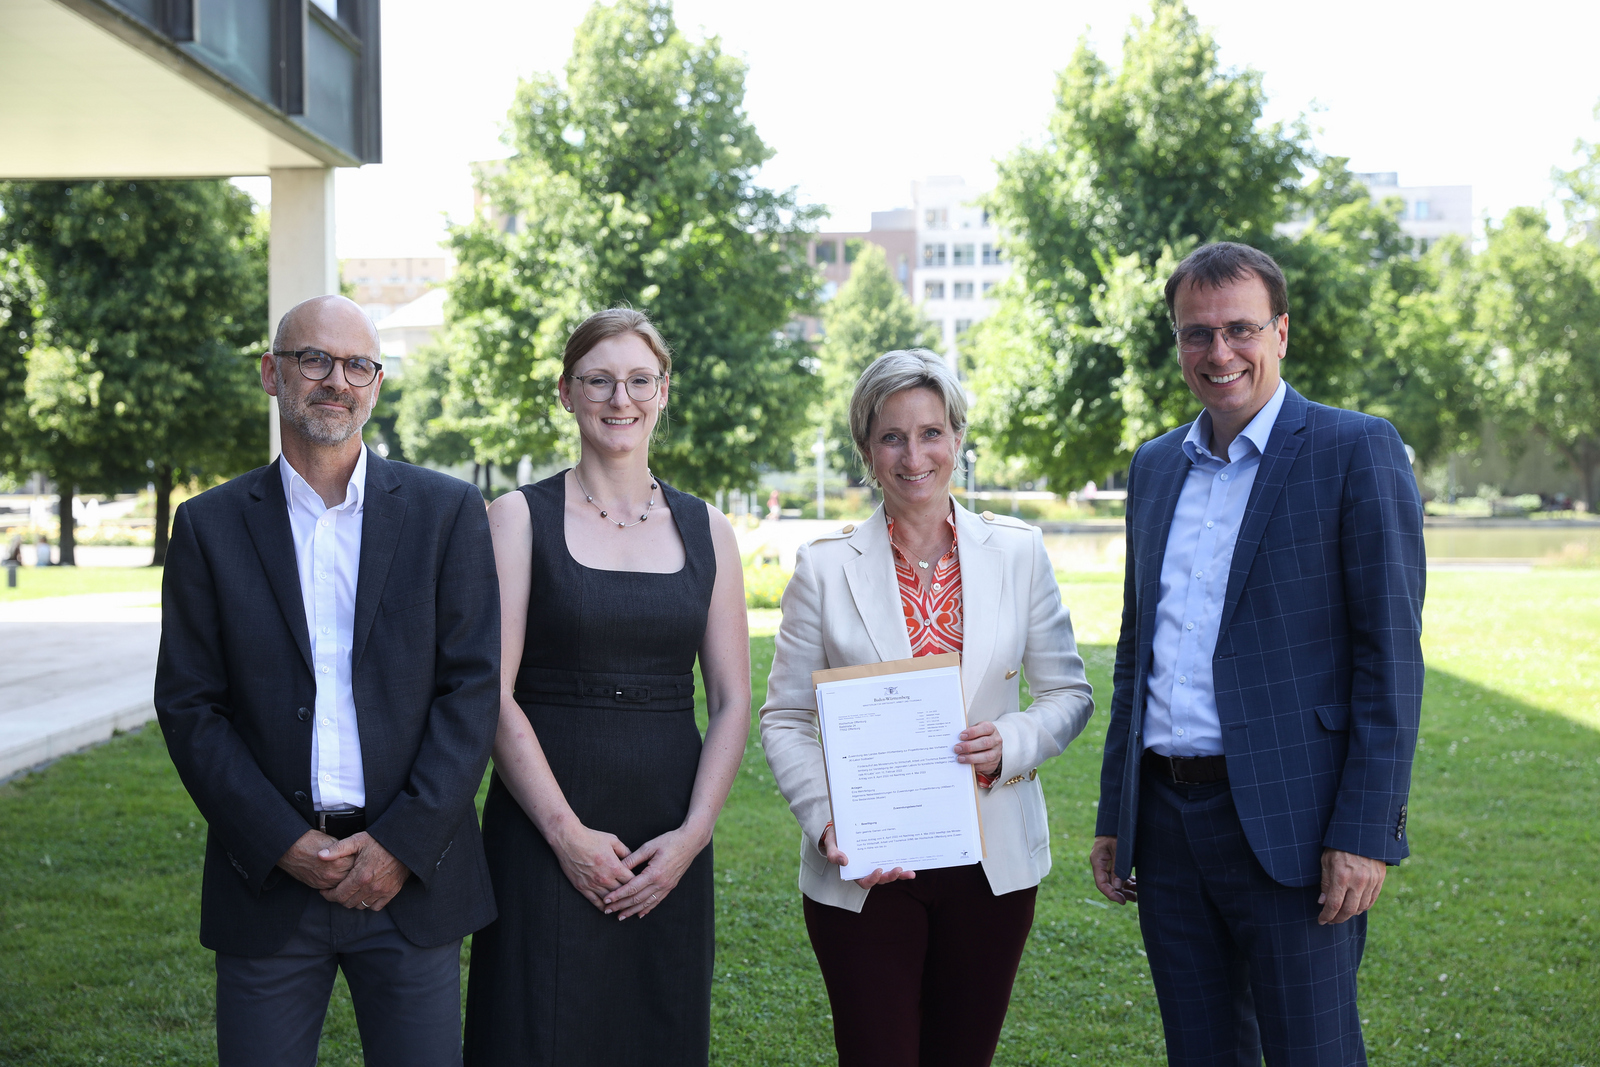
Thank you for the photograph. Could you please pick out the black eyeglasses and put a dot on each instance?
(316, 365)
(600, 388)
(1238, 335)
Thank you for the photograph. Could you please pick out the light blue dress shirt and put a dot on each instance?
(1180, 715)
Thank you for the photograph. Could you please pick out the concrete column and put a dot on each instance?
(301, 262)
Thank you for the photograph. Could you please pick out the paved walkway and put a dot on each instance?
(72, 670)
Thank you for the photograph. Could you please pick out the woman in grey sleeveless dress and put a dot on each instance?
(598, 822)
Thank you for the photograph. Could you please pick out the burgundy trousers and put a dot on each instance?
(921, 976)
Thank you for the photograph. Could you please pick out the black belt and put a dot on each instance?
(341, 824)
(1187, 770)
(645, 692)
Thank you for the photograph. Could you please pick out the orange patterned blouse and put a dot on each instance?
(933, 616)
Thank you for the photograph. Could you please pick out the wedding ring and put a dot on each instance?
(364, 904)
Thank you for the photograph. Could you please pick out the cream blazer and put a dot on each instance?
(842, 609)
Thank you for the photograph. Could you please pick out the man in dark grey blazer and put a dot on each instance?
(328, 688)
(1268, 687)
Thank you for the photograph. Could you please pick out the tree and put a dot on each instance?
(633, 183)
(1141, 164)
(150, 303)
(870, 315)
(1539, 311)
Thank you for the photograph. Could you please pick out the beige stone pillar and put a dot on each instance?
(301, 262)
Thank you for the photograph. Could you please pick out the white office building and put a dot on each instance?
(1429, 213)
(958, 261)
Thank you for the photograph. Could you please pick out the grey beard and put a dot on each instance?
(315, 428)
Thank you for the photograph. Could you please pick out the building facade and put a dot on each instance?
(1429, 212)
(959, 259)
(384, 285)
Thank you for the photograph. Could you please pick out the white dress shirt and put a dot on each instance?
(327, 553)
(1180, 716)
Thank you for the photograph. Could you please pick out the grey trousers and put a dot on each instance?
(407, 999)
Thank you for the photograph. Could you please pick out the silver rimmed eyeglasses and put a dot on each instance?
(600, 388)
(316, 365)
(1238, 335)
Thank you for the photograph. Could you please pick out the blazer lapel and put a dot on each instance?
(875, 590)
(1282, 446)
(982, 577)
(383, 513)
(1167, 473)
(268, 522)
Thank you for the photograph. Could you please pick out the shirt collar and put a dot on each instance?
(293, 483)
(1198, 441)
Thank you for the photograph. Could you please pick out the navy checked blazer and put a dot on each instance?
(1318, 664)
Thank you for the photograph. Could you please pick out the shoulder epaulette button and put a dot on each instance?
(849, 529)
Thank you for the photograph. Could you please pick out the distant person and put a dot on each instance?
(919, 964)
(1268, 688)
(774, 506)
(330, 653)
(41, 552)
(600, 811)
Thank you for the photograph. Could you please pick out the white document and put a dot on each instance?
(899, 797)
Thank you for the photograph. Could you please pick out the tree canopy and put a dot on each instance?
(633, 183)
(1144, 162)
(870, 315)
(148, 300)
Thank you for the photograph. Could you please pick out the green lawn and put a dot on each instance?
(36, 582)
(100, 861)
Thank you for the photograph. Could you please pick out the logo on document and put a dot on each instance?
(891, 690)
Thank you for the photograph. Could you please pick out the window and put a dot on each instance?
(1424, 211)
(986, 287)
(933, 291)
(933, 255)
(961, 255)
(961, 291)
(962, 326)
(992, 256)
(937, 218)
(902, 270)
(827, 252)
(986, 216)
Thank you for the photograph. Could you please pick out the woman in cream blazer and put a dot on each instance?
(919, 970)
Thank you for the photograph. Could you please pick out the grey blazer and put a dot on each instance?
(234, 688)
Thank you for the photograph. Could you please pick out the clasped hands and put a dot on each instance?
(600, 867)
(356, 872)
(1350, 883)
(980, 746)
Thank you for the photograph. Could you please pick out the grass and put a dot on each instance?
(36, 582)
(100, 865)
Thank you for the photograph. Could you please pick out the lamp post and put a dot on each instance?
(820, 450)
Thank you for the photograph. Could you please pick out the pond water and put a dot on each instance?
(1104, 550)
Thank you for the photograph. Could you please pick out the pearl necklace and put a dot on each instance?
(605, 515)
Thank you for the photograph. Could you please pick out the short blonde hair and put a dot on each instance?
(609, 323)
(894, 372)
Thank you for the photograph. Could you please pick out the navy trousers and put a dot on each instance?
(407, 999)
(1240, 966)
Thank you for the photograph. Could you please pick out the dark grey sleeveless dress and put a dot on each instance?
(607, 682)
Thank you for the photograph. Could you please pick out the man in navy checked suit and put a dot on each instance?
(1268, 688)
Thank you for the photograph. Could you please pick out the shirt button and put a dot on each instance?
(1178, 732)
(1186, 626)
(1199, 574)
(322, 576)
(325, 722)
(325, 629)
(1209, 525)
(324, 522)
(325, 670)
(329, 777)
(1224, 477)
(1183, 678)
(935, 587)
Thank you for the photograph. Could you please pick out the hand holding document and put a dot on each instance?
(900, 798)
